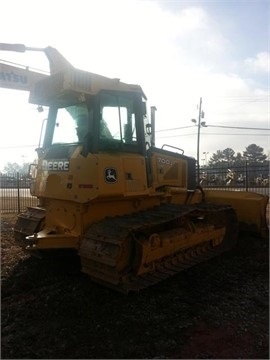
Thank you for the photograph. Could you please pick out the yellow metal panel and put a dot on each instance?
(169, 170)
(135, 175)
(43, 240)
(249, 206)
(120, 175)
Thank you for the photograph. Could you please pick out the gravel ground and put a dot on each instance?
(215, 310)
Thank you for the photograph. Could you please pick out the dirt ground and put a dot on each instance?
(215, 310)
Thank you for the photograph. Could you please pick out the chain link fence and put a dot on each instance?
(15, 194)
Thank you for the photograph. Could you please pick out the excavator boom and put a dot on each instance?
(19, 77)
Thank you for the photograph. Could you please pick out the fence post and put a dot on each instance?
(18, 192)
(247, 179)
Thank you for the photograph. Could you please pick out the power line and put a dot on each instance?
(236, 127)
(237, 134)
(178, 128)
(172, 136)
(220, 126)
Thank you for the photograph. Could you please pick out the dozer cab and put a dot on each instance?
(132, 211)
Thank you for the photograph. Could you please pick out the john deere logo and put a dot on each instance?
(110, 175)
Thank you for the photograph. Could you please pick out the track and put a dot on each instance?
(135, 251)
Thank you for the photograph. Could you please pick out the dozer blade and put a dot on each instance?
(250, 207)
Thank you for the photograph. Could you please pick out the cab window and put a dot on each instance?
(117, 120)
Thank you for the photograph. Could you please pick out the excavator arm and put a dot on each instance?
(18, 77)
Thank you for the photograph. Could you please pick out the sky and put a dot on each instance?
(178, 51)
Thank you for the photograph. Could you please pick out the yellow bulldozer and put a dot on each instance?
(133, 212)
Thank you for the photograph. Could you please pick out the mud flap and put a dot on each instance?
(29, 222)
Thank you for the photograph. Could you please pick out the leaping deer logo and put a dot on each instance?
(110, 175)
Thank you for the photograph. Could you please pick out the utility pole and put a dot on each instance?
(199, 124)
(201, 115)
